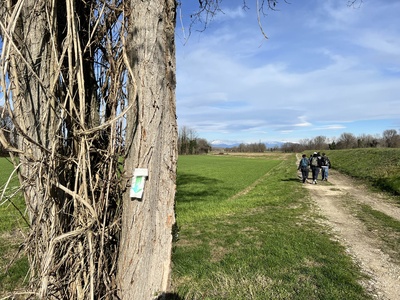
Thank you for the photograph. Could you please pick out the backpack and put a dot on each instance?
(314, 161)
(304, 162)
(326, 161)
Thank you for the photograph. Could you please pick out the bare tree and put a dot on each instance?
(367, 141)
(187, 140)
(390, 138)
(203, 147)
(346, 141)
(320, 143)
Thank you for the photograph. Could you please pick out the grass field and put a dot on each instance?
(247, 228)
(13, 264)
(262, 244)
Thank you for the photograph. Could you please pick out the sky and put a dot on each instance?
(325, 69)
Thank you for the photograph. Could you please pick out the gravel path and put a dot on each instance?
(331, 199)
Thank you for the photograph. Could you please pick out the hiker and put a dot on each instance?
(319, 162)
(304, 167)
(315, 164)
(326, 165)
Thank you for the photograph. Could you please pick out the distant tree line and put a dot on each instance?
(390, 139)
(254, 147)
(189, 143)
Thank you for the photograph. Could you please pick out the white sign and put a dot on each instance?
(138, 181)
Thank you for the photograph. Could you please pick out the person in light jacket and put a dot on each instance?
(326, 165)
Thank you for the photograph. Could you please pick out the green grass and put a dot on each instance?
(264, 244)
(13, 265)
(247, 228)
(380, 166)
(11, 208)
(203, 184)
(13, 276)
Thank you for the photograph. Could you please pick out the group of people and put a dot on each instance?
(317, 163)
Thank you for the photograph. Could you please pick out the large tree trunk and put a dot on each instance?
(30, 76)
(67, 69)
(146, 237)
(68, 164)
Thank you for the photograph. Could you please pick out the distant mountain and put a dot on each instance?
(223, 144)
(274, 144)
(227, 144)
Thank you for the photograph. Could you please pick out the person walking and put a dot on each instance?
(319, 163)
(326, 165)
(315, 164)
(304, 165)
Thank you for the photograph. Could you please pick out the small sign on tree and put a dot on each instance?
(139, 179)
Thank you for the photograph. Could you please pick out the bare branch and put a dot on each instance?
(355, 3)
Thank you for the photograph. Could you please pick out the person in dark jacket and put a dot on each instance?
(304, 165)
(315, 164)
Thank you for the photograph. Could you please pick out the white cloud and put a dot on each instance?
(322, 80)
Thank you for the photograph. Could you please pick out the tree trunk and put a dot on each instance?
(68, 165)
(34, 115)
(146, 237)
(67, 68)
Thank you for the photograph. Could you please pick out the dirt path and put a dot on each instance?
(366, 250)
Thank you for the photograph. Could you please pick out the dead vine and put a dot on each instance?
(69, 142)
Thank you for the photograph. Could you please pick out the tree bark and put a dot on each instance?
(146, 237)
(68, 166)
(33, 113)
(66, 74)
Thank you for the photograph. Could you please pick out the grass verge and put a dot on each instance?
(379, 166)
(384, 228)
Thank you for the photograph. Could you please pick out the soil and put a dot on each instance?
(332, 201)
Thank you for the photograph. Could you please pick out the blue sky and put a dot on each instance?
(325, 69)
